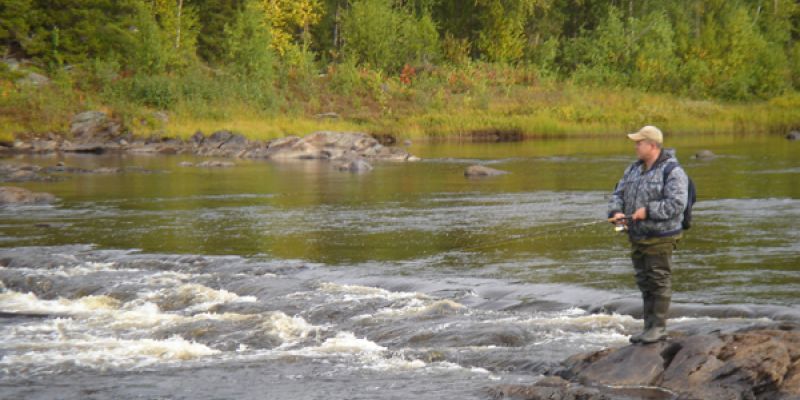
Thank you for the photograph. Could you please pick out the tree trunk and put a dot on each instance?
(178, 33)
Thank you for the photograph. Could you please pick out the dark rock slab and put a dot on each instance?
(754, 363)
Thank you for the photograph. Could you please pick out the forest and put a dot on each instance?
(421, 67)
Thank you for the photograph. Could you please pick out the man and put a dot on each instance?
(650, 205)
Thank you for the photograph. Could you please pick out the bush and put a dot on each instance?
(377, 34)
(154, 91)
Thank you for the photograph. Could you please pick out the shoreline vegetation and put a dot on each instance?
(484, 110)
(488, 70)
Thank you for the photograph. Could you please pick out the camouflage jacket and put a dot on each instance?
(664, 200)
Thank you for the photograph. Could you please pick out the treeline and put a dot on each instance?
(724, 49)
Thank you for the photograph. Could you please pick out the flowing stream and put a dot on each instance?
(295, 281)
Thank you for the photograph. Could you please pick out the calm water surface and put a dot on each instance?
(293, 280)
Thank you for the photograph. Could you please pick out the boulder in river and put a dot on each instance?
(753, 363)
(355, 166)
(793, 135)
(16, 195)
(216, 164)
(326, 145)
(92, 132)
(704, 155)
(477, 171)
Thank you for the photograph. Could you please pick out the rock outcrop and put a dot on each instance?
(10, 195)
(754, 363)
(96, 132)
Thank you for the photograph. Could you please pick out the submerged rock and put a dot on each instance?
(754, 363)
(704, 155)
(16, 195)
(474, 171)
(355, 166)
(216, 164)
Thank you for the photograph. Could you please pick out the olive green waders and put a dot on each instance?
(652, 262)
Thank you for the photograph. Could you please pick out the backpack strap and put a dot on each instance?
(668, 170)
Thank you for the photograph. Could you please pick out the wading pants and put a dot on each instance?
(652, 262)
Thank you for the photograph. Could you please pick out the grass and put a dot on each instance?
(478, 101)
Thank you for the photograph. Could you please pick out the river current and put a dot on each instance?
(295, 281)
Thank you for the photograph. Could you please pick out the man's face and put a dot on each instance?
(644, 148)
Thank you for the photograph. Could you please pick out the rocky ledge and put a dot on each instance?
(95, 132)
(753, 363)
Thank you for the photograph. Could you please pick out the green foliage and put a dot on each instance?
(249, 56)
(378, 34)
(503, 22)
(198, 56)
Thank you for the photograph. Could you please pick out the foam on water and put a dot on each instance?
(288, 329)
(28, 303)
(418, 307)
(196, 297)
(81, 269)
(85, 350)
(346, 342)
(358, 292)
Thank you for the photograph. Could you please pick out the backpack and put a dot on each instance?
(687, 213)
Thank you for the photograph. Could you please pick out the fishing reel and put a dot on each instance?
(620, 224)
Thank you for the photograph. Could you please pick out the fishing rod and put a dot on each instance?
(620, 226)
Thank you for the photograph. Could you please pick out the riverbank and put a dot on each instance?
(483, 103)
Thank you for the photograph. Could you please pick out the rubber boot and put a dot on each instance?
(658, 328)
(647, 312)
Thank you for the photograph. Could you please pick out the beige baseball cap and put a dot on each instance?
(648, 132)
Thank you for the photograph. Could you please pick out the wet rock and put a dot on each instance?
(107, 170)
(705, 155)
(92, 124)
(474, 171)
(62, 168)
(20, 145)
(355, 166)
(22, 176)
(22, 173)
(615, 366)
(216, 164)
(15, 195)
(549, 388)
(85, 147)
(219, 137)
(327, 145)
(793, 135)
(44, 146)
(197, 138)
(759, 363)
(186, 164)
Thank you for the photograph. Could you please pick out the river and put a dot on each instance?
(291, 280)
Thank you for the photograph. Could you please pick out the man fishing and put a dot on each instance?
(649, 202)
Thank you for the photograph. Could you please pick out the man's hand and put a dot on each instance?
(617, 219)
(640, 214)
